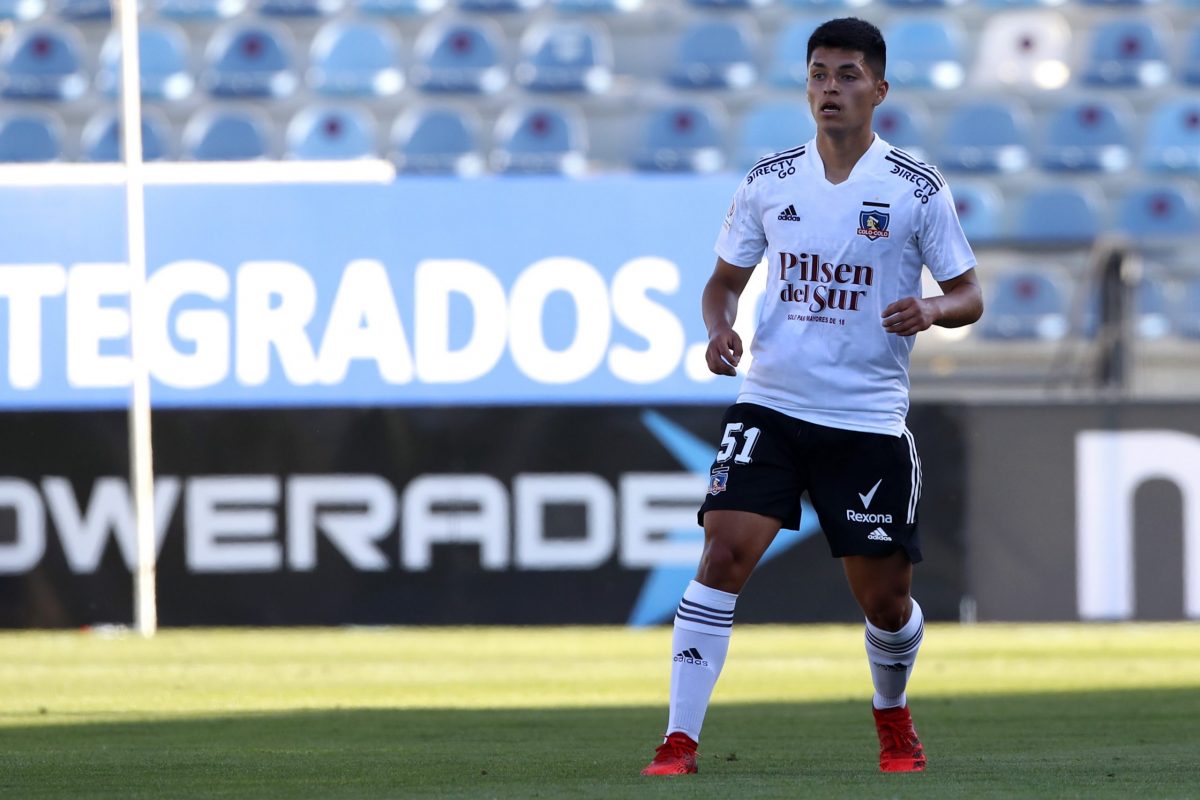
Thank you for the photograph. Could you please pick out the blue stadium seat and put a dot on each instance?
(82, 10)
(1020, 4)
(980, 210)
(926, 52)
(30, 136)
(300, 8)
(358, 59)
(1126, 52)
(399, 9)
(42, 62)
(250, 60)
(1172, 137)
(1119, 3)
(1151, 318)
(438, 141)
(682, 137)
(597, 6)
(986, 136)
(565, 56)
(1190, 69)
(216, 134)
(499, 6)
(771, 127)
(331, 132)
(460, 56)
(905, 124)
(1028, 49)
(200, 10)
(100, 140)
(922, 4)
(540, 139)
(1025, 305)
(1157, 211)
(21, 10)
(1185, 314)
(1059, 214)
(714, 54)
(789, 54)
(164, 61)
(1088, 136)
(729, 5)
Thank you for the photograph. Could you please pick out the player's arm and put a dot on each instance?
(960, 304)
(719, 304)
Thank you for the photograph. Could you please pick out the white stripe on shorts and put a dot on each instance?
(914, 493)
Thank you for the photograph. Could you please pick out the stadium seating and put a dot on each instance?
(21, 10)
(926, 52)
(1025, 50)
(460, 56)
(1190, 68)
(82, 10)
(565, 56)
(300, 8)
(437, 140)
(596, 6)
(1185, 315)
(980, 210)
(331, 132)
(1025, 305)
(986, 136)
(1126, 52)
(199, 10)
(1172, 137)
(772, 127)
(43, 62)
(164, 63)
(358, 59)
(30, 136)
(1090, 135)
(399, 9)
(540, 139)
(250, 60)
(1059, 214)
(221, 134)
(714, 54)
(100, 140)
(1157, 211)
(789, 55)
(905, 124)
(682, 137)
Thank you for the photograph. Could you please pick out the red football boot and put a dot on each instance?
(675, 756)
(899, 748)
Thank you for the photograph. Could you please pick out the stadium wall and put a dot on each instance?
(437, 402)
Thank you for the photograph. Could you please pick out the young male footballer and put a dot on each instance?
(843, 224)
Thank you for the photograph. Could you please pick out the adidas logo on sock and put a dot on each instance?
(879, 535)
(691, 656)
(789, 214)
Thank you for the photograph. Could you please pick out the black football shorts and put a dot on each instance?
(863, 486)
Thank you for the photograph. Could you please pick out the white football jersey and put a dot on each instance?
(836, 256)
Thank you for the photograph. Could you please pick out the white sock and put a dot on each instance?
(892, 655)
(703, 624)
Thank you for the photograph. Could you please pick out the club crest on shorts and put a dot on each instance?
(873, 222)
(718, 480)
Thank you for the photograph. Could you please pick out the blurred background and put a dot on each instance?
(467, 387)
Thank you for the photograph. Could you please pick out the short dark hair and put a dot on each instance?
(852, 33)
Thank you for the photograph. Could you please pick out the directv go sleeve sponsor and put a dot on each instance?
(423, 292)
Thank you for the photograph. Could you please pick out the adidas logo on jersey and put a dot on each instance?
(789, 214)
(879, 535)
(691, 656)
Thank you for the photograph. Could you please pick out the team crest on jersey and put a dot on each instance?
(718, 480)
(873, 221)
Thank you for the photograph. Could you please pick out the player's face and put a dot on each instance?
(842, 90)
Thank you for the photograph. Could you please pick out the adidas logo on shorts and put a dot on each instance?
(879, 535)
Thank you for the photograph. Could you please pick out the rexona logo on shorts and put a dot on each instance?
(872, 519)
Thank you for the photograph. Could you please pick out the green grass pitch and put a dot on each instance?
(1005, 711)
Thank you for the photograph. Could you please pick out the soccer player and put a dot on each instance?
(845, 223)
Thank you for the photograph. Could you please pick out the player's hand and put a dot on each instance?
(909, 316)
(724, 351)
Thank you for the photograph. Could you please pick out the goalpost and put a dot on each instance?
(134, 174)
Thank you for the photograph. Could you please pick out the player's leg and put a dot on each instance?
(867, 501)
(752, 491)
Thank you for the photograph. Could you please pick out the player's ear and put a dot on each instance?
(881, 90)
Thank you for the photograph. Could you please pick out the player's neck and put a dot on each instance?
(840, 151)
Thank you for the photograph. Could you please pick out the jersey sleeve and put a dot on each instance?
(944, 247)
(742, 240)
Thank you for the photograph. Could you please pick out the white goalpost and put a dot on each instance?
(135, 175)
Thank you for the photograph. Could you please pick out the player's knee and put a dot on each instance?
(721, 567)
(886, 610)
